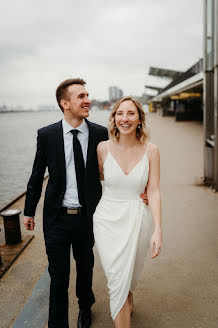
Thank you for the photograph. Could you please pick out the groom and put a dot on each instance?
(68, 150)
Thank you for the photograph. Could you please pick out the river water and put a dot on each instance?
(18, 133)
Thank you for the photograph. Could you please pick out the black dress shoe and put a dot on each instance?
(84, 319)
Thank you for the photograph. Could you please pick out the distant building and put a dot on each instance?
(3, 108)
(115, 93)
(46, 108)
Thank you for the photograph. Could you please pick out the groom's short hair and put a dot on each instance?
(61, 91)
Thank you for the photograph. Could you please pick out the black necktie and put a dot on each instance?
(79, 166)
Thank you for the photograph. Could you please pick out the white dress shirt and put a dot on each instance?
(71, 198)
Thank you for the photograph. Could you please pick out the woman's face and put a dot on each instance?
(127, 117)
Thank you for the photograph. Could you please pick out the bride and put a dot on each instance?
(124, 228)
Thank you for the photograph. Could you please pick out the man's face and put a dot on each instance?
(78, 102)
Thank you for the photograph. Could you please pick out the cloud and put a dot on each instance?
(106, 42)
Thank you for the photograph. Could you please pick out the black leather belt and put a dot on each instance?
(72, 210)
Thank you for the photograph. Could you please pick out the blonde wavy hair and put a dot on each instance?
(142, 133)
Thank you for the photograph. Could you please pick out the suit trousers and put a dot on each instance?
(69, 231)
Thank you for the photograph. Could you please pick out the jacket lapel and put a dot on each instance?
(60, 154)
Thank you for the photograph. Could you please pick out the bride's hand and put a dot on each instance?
(156, 243)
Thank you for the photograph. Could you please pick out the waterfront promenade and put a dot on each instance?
(179, 289)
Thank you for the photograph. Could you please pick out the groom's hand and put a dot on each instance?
(144, 197)
(29, 223)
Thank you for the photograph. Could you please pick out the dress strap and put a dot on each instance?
(147, 148)
(108, 146)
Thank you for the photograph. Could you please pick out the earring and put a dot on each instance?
(138, 130)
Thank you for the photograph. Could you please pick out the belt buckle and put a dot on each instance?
(72, 211)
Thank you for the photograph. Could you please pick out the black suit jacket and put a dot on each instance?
(50, 153)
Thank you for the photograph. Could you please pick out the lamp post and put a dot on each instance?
(211, 93)
(216, 94)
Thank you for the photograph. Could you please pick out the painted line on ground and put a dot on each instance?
(35, 312)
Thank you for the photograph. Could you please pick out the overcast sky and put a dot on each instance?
(106, 42)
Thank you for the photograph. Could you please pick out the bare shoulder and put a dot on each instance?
(102, 146)
(153, 150)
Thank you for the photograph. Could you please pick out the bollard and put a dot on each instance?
(12, 226)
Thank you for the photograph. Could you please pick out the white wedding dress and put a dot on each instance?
(122, 228)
